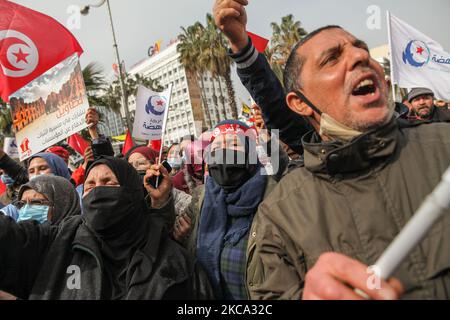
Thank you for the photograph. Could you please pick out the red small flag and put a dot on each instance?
(128, 143)
(2, 188)
(77, 143)
(31, 43)
(260, 43)
(155, 145)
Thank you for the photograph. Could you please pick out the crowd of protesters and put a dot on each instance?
(298, 211)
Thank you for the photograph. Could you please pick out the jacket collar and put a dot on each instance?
(335, 157)
(440, 115)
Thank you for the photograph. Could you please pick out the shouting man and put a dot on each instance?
(326, 222)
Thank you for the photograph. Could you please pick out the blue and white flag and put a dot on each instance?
(10, 147)
(418, 60)
(151, 113)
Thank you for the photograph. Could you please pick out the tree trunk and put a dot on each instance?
(208, 120)
(216, 106)
(231, 94)
(222, 99)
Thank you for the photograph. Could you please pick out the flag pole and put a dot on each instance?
(163, 132)
(166, 115)
(388, 16)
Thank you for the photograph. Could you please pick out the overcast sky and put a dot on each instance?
(139, 23)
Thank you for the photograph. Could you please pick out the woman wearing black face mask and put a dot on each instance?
(224, 212)
(116, 250)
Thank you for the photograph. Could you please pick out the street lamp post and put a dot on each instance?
(85, 11)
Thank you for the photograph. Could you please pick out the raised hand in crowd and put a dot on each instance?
(231, 19)
(160, 195)
(334, 276)
(92, 120)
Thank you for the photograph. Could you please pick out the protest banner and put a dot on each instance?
(50, 108)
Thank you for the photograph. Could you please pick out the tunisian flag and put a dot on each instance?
(30, 44)
(77, 143)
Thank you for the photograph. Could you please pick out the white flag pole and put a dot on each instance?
(166, 115)
(435, 206)
(388, 16)
(163, 132)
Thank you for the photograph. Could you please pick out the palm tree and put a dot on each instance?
(190, 47)
(211, 56)
(112, 94)
(284, 38)
(94, 82)
(224, 63)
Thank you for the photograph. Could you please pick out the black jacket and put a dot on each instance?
(265, 88)
(440, 115)
(42, 262)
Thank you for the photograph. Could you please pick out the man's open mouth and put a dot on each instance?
(365, 87)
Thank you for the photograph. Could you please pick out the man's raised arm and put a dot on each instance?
(257, 76)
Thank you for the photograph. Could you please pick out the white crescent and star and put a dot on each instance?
(22, 56)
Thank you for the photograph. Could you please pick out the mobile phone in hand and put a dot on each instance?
(154, 181)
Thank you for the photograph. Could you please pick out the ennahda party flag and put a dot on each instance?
(30, 44)
(152, 109)
(418, 60)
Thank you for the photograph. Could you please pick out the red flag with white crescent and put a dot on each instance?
(30, 44)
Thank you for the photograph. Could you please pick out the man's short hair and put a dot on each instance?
(294, 64)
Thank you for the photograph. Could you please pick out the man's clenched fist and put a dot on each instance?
(231, 18)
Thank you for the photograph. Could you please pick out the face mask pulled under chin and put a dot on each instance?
(109, 211)
(33, 212)
(335, 130)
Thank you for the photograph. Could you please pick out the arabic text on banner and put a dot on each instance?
(50, 108)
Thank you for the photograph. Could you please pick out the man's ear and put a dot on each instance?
(296, 104)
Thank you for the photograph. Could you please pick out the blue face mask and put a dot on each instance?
(7, 180)
(33, 212)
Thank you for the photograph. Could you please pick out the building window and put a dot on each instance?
(184, 90)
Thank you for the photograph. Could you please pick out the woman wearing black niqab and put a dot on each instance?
(117, 248)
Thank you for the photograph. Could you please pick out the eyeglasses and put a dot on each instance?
(38, 202)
